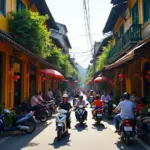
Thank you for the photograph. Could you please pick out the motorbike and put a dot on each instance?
(81, 114)
(127, 130)
(98, 115)
(91, 99)
(143, 128)
(24, 123)
(61, 124)
(107, 108)
(40, 113)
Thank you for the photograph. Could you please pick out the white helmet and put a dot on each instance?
(65, 96)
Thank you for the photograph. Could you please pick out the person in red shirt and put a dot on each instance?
(97, 103)
(140, 106)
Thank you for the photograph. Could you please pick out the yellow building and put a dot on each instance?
(129, 21)
(17, 61)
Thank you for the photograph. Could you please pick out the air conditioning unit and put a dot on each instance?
(127, 13)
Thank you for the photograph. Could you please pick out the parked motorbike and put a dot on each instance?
(40, 113)
(127, 130)
(81, 114)
(61, 124)
(25, 123)
(98, 115)
(143, 127)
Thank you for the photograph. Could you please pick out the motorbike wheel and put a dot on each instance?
(32, 126)
(59, 134)
(127, 140)
(43, 117)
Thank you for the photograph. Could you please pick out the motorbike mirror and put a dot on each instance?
(114, 105)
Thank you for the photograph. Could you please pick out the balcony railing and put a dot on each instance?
(131, 36)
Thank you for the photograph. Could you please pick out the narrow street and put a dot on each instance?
(88, 137)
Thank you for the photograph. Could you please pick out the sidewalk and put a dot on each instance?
(146, 146)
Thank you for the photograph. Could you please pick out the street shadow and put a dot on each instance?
(25, 138)
(80, 127)
(109, 121)
(63, 142)
(98, 127)
(134, 145)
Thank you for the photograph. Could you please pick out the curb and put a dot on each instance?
(146, 146)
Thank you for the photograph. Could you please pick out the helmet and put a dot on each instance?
(126, 95)
(97, 96)
(65, 96)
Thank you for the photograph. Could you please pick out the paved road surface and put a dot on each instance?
(89, 137)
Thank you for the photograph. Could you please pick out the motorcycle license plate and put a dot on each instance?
(128, 129)
(60, 125)
(99, 115)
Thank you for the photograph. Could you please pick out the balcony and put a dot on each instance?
(126, 42)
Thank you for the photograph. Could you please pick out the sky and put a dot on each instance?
(70, 13)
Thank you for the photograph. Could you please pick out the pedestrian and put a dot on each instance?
(50, 94)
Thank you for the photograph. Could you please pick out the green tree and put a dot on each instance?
(103, 59)
(89, 73)
(29, 29)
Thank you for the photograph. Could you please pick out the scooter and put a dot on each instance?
(98, 115)
(127, 130)
(143, 128)
(61, 123)
(81, 114)
(107, 108)
(25, 123)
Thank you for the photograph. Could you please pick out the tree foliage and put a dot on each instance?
(29, 29)
(89, 73)
(103, 59)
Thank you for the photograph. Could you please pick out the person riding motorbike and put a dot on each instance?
(83, 103)
(66, 106)
(97, 103)
(126, 109)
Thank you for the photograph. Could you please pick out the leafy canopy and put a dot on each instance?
(89, 73)
(103, 59)
(29, 29)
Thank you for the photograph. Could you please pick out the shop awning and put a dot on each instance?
(53, 73)
(139, 51)
(100, 79)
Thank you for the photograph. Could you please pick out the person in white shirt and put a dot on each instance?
(40, 97)
(126, 108)
(105, 97)
(34, 100)
(50, 94)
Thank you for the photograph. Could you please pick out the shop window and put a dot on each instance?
(20, 5)
(146, 11)
(135, 14)
(3, 7)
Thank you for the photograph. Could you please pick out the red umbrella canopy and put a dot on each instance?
(100, 79)
(53, 73)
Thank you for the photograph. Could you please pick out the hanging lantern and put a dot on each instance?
(16, 77)
(138, 75)
(43, 78)
(148, 72)
(121, 76)
(147, 77)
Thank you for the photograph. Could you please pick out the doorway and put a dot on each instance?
(32, 80)
(146, 82)
(1, 78)
(17, 84)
